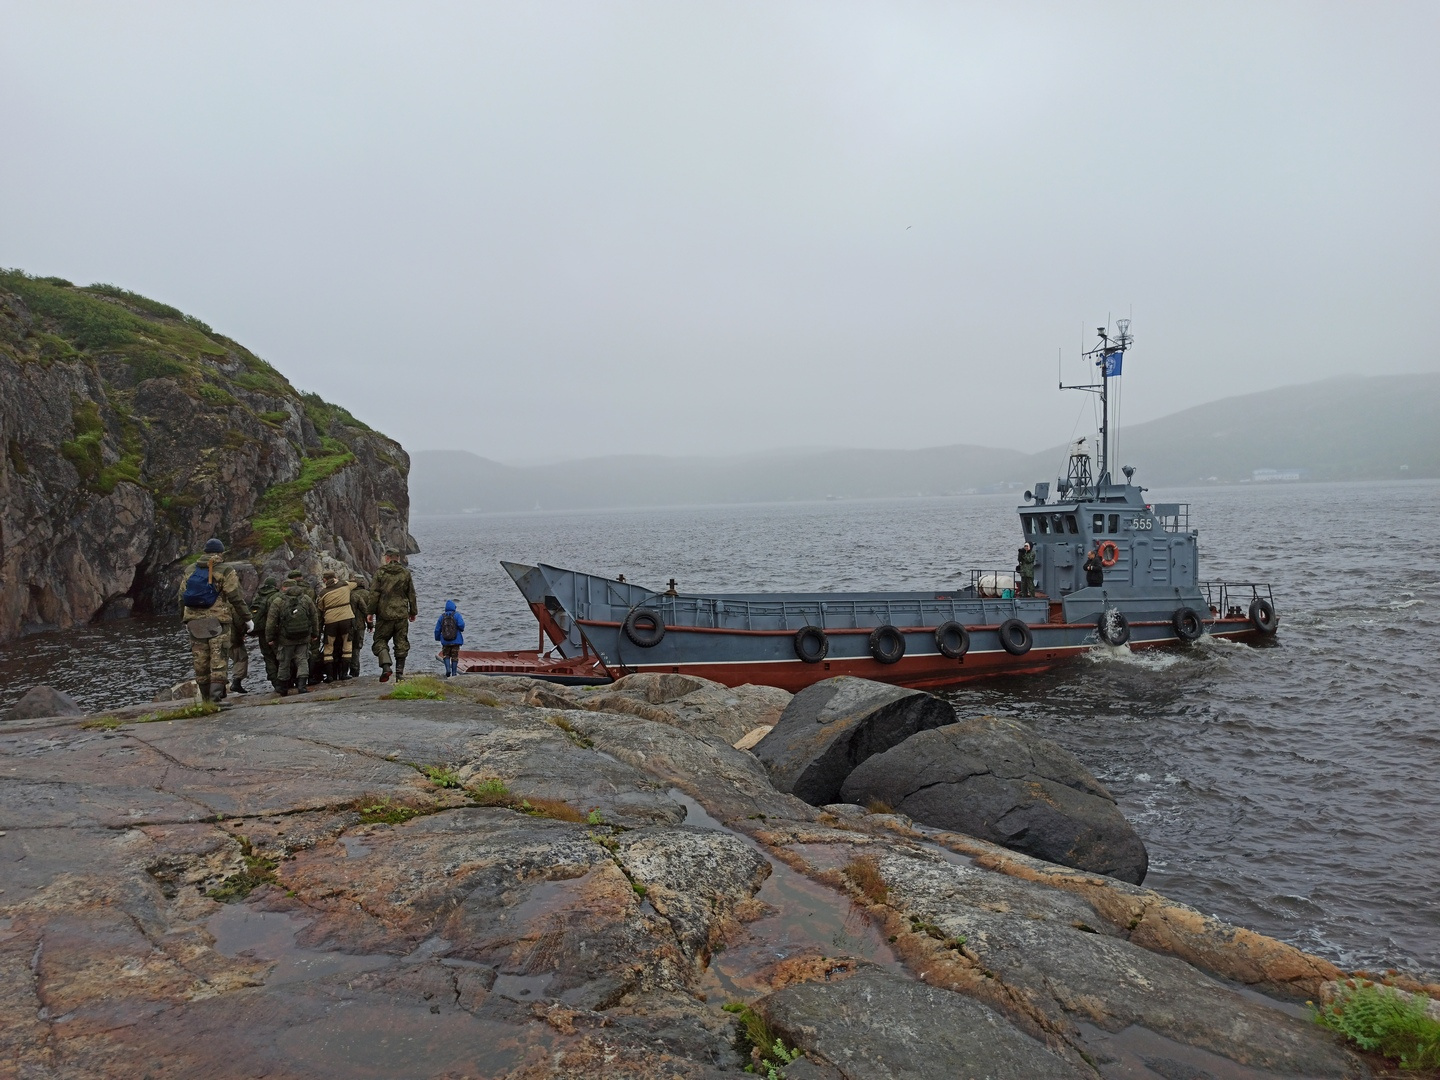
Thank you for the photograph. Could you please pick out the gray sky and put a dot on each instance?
(539, 231)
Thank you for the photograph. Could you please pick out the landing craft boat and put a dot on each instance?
(600, 628)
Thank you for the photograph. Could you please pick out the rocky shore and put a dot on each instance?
(514, 879)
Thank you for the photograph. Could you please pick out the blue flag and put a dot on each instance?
(1112, 363)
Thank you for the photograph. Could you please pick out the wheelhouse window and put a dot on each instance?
(1059, 525)
(1029, 525)
(1044, 525)
(1099, 525)
(1114, 523)
(1071, 525)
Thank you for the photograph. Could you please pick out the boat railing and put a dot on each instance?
(1228, 598)
(994, 583)
(1173, 517)
(964, 605)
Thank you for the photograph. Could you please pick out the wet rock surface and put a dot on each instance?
(831, 727)
(346, 885)
(991, 778)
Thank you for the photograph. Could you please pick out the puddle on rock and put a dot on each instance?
(522, 987)
(804, 918)
(270, 935)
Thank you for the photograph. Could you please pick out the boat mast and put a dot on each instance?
(1108, 356)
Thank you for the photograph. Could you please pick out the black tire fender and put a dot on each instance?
(1262, 614)
(952, 639)
(887, 645)
(1015, 637)
(1112, 627)
(644, 627)
(1188, 624)
(812, 644)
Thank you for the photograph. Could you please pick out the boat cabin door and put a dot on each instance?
(1061, 578)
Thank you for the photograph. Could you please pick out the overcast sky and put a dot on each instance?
(539, 231)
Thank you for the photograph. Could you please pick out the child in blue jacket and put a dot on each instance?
(450, 632)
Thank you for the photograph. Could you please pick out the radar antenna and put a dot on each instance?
(1108, 357)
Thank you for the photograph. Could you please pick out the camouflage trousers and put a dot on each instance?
(239, 652)
(337, 641)
(272, 663)
(209, 657)
(1027, 584)
(296, 657)
(357, 642)
(385, 631)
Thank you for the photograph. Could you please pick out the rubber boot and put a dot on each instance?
(384, 674)
(304, 687)
(237, 687)
(217, 692)
(399, 670)
(342, 670)
(204, 691)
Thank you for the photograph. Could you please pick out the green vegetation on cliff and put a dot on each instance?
(120, 341)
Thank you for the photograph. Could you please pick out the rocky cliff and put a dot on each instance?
(133, 433)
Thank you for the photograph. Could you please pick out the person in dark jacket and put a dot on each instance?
(1025, 567)
(1094, 570)
(450, 632)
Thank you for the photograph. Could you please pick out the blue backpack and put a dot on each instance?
(200, 591)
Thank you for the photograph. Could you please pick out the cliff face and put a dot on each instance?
(133, 433)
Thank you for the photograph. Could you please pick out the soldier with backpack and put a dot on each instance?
(450, 632)
(394, 607)
(292, 625)
(259, 612)
(210, 601)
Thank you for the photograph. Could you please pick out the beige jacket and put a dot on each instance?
(334, 603)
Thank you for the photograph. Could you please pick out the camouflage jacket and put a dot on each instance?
(395, 593)
(260, 606)
(228, 606)
(363, 601)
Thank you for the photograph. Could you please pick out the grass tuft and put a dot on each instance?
(878, 806)
(491, 792)
(559, 720)
(1384, 1021)
(187, 712)
(101, 723)
(556, 809)
(441, 776)
(257, 871)
(864, 874)
(767, 1052)
(418, 688)
(385, 811)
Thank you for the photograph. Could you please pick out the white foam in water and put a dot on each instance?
(1121, 654)
(1400, 605)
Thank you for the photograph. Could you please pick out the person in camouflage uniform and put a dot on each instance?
(210, 627)
(291, 638)
(362, 600)
(395, 608)
(259, 612)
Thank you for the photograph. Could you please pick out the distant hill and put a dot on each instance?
(1341, 429)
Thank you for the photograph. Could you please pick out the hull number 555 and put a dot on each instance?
(1140, 524)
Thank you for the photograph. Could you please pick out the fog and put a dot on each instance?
(547, 231)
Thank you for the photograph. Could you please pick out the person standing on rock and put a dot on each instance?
(210, 601)
(292, 626)
(259, 613)
(1025, 567)
(450, 632)
(395, 606)
(362, 602)
(339, 620)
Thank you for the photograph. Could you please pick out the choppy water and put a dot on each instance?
(1293, 789)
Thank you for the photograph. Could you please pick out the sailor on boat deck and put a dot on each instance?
(1094, 570)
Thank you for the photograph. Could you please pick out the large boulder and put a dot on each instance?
(831, 727)
(44, 700)
(992, 778)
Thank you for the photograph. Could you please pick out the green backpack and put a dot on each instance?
(295, 621)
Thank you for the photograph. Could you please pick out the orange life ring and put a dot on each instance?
(1109, 552)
